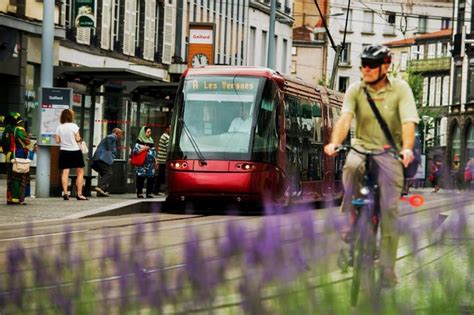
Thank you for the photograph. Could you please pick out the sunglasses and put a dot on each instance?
(370, 63)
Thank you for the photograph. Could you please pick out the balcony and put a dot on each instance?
(469, 107)
(430, 65)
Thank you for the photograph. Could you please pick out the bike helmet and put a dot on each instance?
(376, 53)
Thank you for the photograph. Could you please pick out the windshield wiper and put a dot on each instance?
(202, 160)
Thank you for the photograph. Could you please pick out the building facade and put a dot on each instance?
(461, 111)
(378, 22)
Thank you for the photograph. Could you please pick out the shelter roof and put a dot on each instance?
(100, 75)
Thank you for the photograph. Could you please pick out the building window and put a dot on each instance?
(345, 57)
(445, 91)
(293, 66)
(343, 20)
(461, 13)
(470, 84)
(431, 51)
(422, 24)
(470, 142)
(456, 150)
(284, 56)
(252, 41)
(403, 61)
(69, 14)
(438, 91)
(445, 23)
(457, 84)
(432, 94)
(389, 27)
(263, 55)
(368, 22)
(343, 84)
(424, 101)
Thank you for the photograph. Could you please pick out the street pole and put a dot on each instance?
(271, 36)
(43, 166)
(335, 65)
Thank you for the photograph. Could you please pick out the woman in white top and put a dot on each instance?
(70, 155)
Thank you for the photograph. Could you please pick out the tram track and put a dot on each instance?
(179, 224)
(98, 226)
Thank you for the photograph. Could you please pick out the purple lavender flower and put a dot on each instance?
(306, 222)
(67, 241)
(16, 256)
(158, 291)
(39, 269)
(234, 241)
(251, 292)
(198, 270)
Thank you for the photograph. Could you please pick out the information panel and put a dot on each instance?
(53, 102)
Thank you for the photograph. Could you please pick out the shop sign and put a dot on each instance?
(84, 13)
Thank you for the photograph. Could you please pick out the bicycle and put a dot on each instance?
(365, 223)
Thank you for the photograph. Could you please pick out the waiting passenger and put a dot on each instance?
(243, 123)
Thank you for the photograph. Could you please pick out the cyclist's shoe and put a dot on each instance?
(388, 277)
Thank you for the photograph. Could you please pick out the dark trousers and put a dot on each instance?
(105, 174)
(141, 183)
(160, 179)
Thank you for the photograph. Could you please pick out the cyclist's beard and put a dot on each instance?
(380, 78)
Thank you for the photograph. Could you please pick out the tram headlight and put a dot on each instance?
(179, 165)
(245, 166)
(365, 190)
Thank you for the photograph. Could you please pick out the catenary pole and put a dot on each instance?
(339, 49)
(43, 166)
(271, 36)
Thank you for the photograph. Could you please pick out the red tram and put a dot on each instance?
(252, 134)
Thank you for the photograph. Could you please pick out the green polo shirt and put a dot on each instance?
(396, 105)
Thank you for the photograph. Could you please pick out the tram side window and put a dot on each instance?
(318, 122)
(266, 132)
(315, 157)
(340, 159)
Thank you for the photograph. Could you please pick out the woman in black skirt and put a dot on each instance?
(70, 155)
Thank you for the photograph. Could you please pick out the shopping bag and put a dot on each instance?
(83, 147)
(20, 165)
(138, 159)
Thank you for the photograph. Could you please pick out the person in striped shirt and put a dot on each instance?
(161, 159)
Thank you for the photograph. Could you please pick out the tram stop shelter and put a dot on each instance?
(129, 100)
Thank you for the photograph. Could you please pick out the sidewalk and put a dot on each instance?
(57, 208)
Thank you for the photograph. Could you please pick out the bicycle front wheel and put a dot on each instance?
(363, 277)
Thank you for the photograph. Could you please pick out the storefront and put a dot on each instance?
(124, 99)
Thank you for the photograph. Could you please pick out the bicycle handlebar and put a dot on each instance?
(345, 147)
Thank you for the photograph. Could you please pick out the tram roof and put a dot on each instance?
(227, 70)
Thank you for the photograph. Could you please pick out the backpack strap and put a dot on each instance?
(382, 122)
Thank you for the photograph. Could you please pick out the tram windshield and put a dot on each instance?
(220, 113)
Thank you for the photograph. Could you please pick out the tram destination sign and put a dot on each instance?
(53, 102)
(241, 84)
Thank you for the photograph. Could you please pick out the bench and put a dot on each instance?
(86, 191)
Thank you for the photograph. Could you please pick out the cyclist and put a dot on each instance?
(394, 99)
